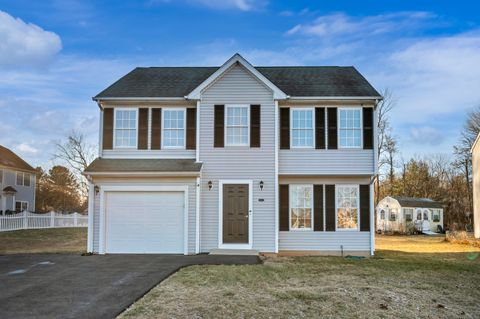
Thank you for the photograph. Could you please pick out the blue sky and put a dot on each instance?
(55, 55)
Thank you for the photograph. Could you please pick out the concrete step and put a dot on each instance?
(238, 252)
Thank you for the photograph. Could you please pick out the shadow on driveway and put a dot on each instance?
(73, 286)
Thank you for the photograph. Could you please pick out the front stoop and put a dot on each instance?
(238, 252)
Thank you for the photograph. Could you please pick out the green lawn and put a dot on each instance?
(50, 240)
(442, 280)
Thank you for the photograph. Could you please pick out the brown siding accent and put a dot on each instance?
(330, 207)
(364, 207)
(107, 140)
(219, 131)
(191, 128)
(285, 128)
(284, 207)
(332, 128)
(142, 129)
(320, 128)
(318, 207)
(368, 128)
(255, 125)
(156, 129)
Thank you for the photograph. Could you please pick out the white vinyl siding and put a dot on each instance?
(173, 128)
(237, 125)
(302, 127)
(238, 86)
(125, 128)
(350, 127)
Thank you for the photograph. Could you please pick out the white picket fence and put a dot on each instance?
(28, 220)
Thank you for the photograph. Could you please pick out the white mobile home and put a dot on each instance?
(404, 214)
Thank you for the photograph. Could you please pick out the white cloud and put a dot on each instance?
(426, 135)
(340, 24)
(25, 148)
(241, 5)
(25, 44)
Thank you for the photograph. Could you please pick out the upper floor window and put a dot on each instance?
(350, 127)
(173, 128)
(301, 203)
(347, 207)
(236, 125)
(23, 179)
(302, 128)
(126, 128)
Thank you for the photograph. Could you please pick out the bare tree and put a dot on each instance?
(78, 154)
(390, 152)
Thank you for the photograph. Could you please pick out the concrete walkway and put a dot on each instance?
(73, 286)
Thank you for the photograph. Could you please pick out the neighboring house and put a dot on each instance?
(405, 214)
(476, 186)
(17, 183)
(215, 159)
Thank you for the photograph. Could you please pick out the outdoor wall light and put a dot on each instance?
(261, 185)
(210, 185)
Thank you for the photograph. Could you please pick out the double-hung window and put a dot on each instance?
(436, 215)
(393, 215)
(350, 127)
(408, 212)
(126, 128)
(301, 203)
(23, 179)
(236, 125)
(347, 197)
(302, 127)
(21, 206)
(173, 128)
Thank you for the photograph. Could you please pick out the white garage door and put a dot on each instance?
(144, 222)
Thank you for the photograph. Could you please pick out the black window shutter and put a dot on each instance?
(364, 207)
(156, 129)
(219, 131)
(107, 141)
(255, 125)
(142, 129)
(368, 128)
(330, 207)
(332, 128)
(191, 128)
(320, 128)
(318, 207)
(284, 208)
(285, 128)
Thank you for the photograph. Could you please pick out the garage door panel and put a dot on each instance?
(144, 222)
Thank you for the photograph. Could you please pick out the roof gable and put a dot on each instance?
(236, 59)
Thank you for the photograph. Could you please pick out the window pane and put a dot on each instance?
(173, 128)
(302, 128)
(349, 132)
(237, 125)
(26, 180)
(18, 206)
(301, 206)
(19, 178)
(347, 207)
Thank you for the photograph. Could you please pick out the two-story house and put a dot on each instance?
(237, 157)
(17, 183)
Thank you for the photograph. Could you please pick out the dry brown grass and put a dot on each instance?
(440, 281)
(51, 240)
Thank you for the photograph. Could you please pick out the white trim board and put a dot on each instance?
(137, 188)
(248, 182)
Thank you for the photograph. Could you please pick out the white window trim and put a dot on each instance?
(338, 128)
(248, 245)
(162, 127)
(115, 127)
(290, 209)
(337, 186)
(247, 106)
(21, 204)
(312, 109)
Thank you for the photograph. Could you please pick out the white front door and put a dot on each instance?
(144, 222)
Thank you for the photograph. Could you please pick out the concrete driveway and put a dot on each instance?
(73, 286)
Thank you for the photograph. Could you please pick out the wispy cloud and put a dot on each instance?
(25, 44)
(241, 5)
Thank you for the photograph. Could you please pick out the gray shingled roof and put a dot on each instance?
(417, 202)
(12, 160)
(327, 81)
(103, 165)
